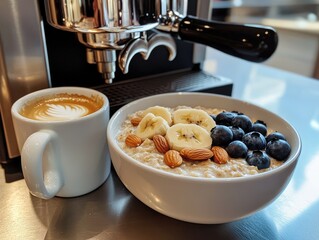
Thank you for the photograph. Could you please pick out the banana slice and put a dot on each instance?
(151, 125)
(161, 112)
(195, 116)
(183, 135)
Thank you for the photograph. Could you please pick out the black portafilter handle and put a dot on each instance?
(254, 43)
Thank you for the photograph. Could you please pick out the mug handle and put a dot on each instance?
(32, 157)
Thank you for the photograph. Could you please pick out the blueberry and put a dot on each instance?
(238, 133)
(237, 149)
(225, 118)
(259, 126)
(242, 121)
(258, 159)
(278, 149)
(221, 135)
(254, 141)
(275, 135)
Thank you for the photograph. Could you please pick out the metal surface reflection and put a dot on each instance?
(112, 212)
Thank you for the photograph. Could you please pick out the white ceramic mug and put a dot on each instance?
(66, 158)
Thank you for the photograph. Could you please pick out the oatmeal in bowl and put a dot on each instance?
(190, 155)
(202, 142)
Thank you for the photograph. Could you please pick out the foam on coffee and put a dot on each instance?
(61, 107)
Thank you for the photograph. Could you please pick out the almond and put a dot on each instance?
(173, 159)
(196, 154)
(136, 120)
(132, 140)
(220, 155)
(160, 143)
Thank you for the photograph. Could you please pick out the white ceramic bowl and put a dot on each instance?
(202, 200)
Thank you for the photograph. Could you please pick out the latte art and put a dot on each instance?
(55, 112)
(61, 107)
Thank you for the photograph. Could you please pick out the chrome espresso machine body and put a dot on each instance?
(126, 49)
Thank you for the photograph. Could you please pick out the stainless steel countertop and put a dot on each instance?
(111, 212)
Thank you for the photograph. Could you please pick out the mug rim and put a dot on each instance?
(16, 106)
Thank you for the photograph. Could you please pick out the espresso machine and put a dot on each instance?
(126, 49)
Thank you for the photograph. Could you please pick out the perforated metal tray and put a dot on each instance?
(122, 93)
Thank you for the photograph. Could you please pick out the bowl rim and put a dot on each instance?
(113, 142)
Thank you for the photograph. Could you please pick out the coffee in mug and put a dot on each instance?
(61, 107)
(61, 135)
